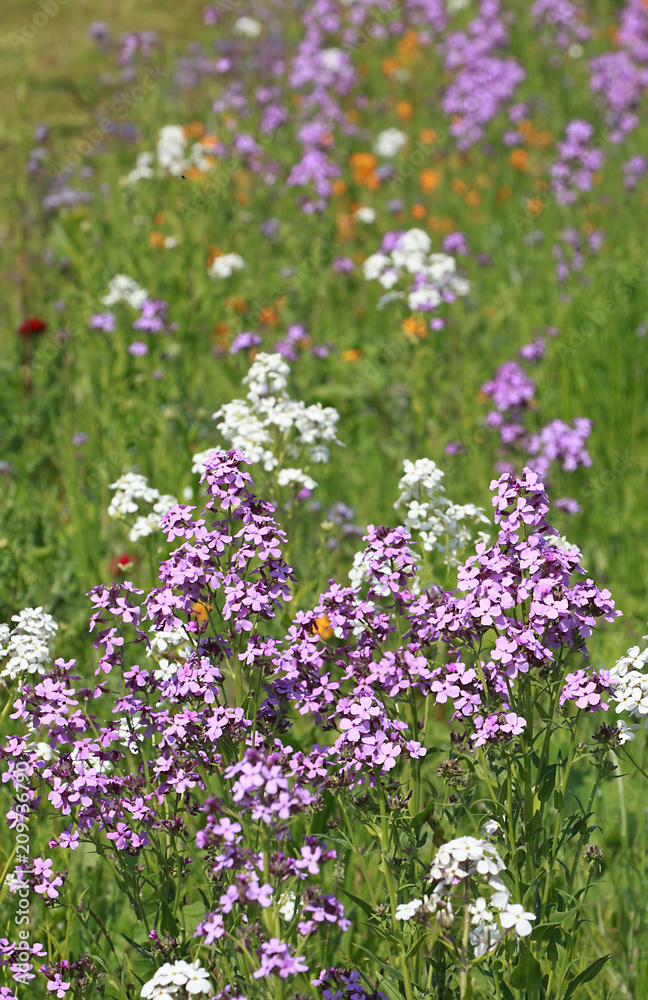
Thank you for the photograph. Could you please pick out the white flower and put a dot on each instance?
(143, 168)
(415, 241)
(514, 916)
(170, 978)
(332, 59)
(365, 214)
(626, 732)
(287, 906)
(249, 27)
(426, 298)
(268, 417)
(374, 266)
(132, 489)
(390, 142)
(388, 278)
(197, 980)
(288, 476)
(124, 289)
(226, 264)
(407, 910)
(26, 646)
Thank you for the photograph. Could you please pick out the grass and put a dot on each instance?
(399, 400)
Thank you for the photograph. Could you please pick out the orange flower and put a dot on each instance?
(363, 163)
(236, 303)
(418, 211)
(269, 316)
(220, 331)
(159, 219)
(389, 65)
(344, 227)
(414, 328)
(322, 627)
(209, 141)
(194, 130)
(473, 198)
(428, 136)
(213, 252)
(193, 174)
(534, 206)
(404, 110)
(339, 187)
(518, 159)
(156, 240)
(242, 197)
(200, 613)
(353, 115)
(408, 44)
(447, 225)
(459, 186)
(504, 194)
(352, 354)
(540, 184)
(429, 180)
(326, 139)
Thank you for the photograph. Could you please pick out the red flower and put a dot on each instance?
(31, 326)
(123, 564)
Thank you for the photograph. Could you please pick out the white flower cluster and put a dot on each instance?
(248, 27)
(25, 648)
(390, 142)
(170, 979)
(442, 526)
(132, 490)
(434, 274)
(270, 427)
(631, 690)
(125, 289)
(169, 650)
(174, 155)
(490, 917)
(225, 265)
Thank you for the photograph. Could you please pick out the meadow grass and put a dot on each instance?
(400, 399)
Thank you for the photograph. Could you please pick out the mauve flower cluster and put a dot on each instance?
(620, 77)
(570, 253)
(577, 161)
(563, 19)
(483, 82)
(206, 735)
(512, 391)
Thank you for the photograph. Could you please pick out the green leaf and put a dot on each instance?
(584, 977)
(362, 903)
(527, 974)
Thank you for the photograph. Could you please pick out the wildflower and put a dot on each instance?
(514, 916)
(248, 27)
(226, 264)
(390, 142)
(31, 327)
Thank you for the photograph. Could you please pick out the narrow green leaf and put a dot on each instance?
(584, 977)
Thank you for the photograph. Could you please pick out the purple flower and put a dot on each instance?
(138, 348)
(244, 342)
(102, 321)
